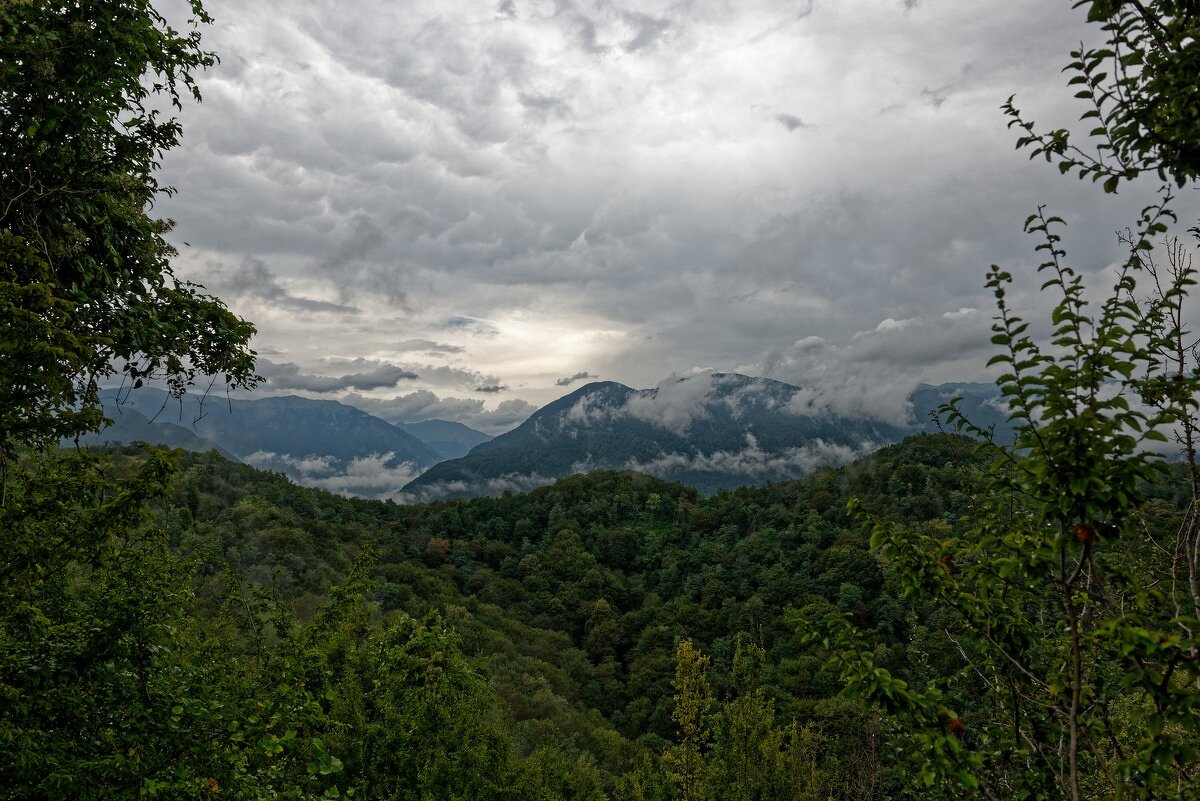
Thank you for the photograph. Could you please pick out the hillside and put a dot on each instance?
(449, 439)
(129, 425)
(576, 594)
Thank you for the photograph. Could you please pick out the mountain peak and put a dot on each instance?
(710, 430)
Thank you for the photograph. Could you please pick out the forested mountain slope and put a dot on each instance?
(536, 642)
(575, 596)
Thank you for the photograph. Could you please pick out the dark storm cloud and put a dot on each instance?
(359, 263)
(571, 379)
(364, 237)
(491, 389)
(546, 105)
(377, 376)
(531, 186)
(427, 346)
(648, 31)
(469, 325)
(458, 377)
(791, 122)
(255, 280)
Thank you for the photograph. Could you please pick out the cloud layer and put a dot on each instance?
(571, 379)
(488, 196)
(374, 375)
(753, 463)
(374, 476)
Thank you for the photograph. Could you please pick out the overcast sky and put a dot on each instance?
(464, 210)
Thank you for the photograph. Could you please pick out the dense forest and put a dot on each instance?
(537, 645)
(610, 636)
(948, 617)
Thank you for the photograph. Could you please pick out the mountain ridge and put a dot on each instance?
(711, 431)
(317, 442)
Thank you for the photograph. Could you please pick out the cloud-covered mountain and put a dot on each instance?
(711, 431)
(320, 443)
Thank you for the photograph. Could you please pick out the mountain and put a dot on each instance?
(320, 443)
(712, 431)
(129, 425)
(982, 404)
(451, 440)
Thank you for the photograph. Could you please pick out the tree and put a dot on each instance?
(747, 759)
(1092, 673)
(692, 702)
(1142, 96)
(114, 683)
(86, 284)
(107, 689)
(418, 721)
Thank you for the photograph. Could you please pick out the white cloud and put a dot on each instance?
(674, 403)
(511, 482)
(755, 464)
(591, 409)
(372, 476)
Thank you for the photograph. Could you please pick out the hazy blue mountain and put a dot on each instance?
(982, 403)
(451, 440)
(317, 442)
(710, 431)
(129, 426)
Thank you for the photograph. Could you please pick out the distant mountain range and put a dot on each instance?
(130, 425)
(710, 431)
(320, 443)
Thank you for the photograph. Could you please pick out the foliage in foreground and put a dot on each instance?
(86, 284)
(118, 679)
(1078, 616)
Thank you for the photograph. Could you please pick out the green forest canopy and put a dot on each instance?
(1006, 623)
